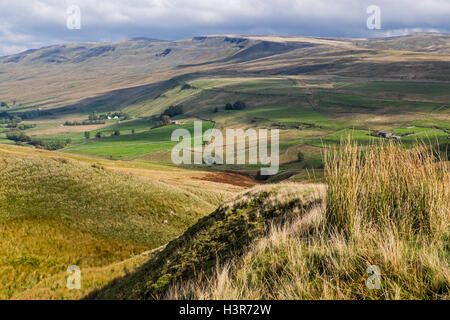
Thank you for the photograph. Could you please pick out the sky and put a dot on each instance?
(27, 24)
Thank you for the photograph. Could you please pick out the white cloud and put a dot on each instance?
(32, 22)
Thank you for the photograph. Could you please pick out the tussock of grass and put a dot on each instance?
(387, 208)
(387, 187)
(224, 234)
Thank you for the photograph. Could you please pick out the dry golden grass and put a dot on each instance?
(34, 249)
(58, 210)
(387, 187)
(219, 237)
(55, 287)
(191, 181)
(388, 207)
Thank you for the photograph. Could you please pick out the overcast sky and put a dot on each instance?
(26, 24)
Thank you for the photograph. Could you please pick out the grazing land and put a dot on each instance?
(86, 176)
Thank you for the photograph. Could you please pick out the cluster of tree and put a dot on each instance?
(83, 123)
(164, 120)
(238, 105)
(7, 118)
(187, 86)
(33, 114)
(165, 117)
(20, 137)
(13, 121)
(51, 145)
(22, 126)
(4, 104)
(173, 111)
(110, 115)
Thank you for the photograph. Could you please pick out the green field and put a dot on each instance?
(308, 112)
(132, 145)
(110, 200)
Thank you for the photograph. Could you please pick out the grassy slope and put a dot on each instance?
(215, 239)
(57, 210)
(334, 104)
(389, 210)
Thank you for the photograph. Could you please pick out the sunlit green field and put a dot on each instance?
(131, 145)
(308, 112)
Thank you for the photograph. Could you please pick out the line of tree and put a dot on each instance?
(6, 118)
(83, 123)
(20, 137)
(4, 104)
(22, 126)
(99, 135)
(24, 115)
(33, 114)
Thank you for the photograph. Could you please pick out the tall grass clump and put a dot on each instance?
(387, 187)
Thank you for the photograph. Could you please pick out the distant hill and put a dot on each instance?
(419, 42)
(66, 74)
(111, 201)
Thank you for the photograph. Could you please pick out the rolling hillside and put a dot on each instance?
(106, 196)
(57, 210)
(384, 209)
(140, 64)
(315, 90)
(215, 239)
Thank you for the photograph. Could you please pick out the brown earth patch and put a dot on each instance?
(230, 177)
